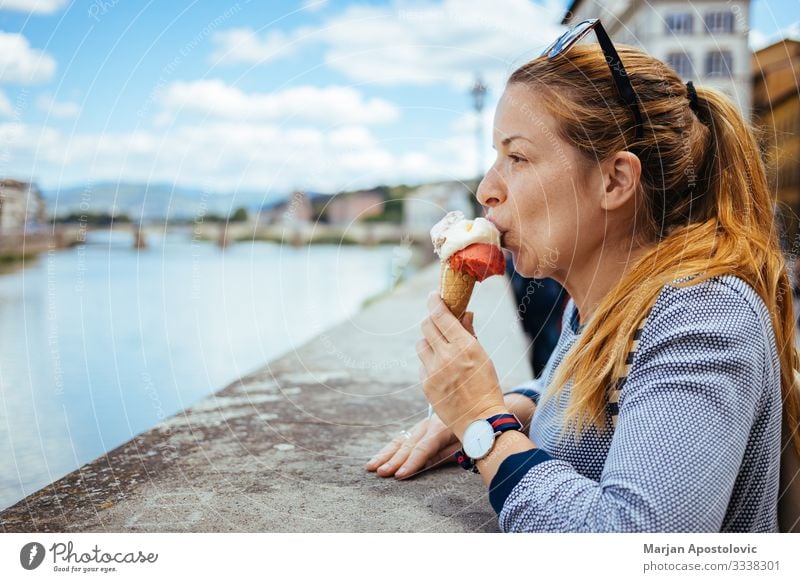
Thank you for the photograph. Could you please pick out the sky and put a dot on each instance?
(271, 96)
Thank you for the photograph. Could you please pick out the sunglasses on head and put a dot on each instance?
(620, 75)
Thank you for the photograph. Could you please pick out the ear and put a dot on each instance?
(621, 175)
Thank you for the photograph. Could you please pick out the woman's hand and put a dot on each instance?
(429, 443)
(458, 377)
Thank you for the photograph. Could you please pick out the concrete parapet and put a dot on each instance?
(283, 449)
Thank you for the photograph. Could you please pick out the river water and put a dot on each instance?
(101, 342)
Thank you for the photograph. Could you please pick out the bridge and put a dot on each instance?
(313, 233)
(20, 244)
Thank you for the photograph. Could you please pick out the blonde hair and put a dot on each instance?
(703, 198)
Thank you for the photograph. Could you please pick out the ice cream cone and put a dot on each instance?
(455, 289)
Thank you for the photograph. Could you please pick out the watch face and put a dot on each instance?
(478, 439)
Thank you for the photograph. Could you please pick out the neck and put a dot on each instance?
(589, 283)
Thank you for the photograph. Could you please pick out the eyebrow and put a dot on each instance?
(511, 138)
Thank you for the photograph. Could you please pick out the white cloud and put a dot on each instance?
(34, 6)
(227, 155)
(6, 110)
(759, 40)
(243, 45)
(19, 63)
(57, 109)
(422, 43)
(329, 105)
(236, 139)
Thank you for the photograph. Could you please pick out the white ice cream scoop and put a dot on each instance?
(454, 232)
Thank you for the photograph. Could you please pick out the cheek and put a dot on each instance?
(541, 253)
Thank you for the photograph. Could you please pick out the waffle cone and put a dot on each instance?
(455, 289)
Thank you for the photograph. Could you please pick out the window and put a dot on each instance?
(680, 23)
(681, 63)
(719, 22)
(719, 64)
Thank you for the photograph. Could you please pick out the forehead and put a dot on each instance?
(519, 112)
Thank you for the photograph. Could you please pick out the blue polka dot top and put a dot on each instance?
(696, 447)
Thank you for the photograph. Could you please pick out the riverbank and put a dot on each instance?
(283, 449)
(103, 341)
(21, 246)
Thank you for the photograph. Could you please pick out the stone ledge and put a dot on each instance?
(283, 449)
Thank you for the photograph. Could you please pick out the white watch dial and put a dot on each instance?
(478, 439)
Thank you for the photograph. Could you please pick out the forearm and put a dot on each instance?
(522, 407)
(507, 444)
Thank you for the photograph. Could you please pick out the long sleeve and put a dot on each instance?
(685, 416)
(532, 389)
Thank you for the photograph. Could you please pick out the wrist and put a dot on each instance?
(492, 411)
(481, 438)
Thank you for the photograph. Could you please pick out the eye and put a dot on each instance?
(515, 159)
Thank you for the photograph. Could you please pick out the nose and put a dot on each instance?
(491, 190)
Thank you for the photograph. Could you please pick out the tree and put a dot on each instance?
(240, 215)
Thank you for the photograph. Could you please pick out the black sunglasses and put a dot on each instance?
(627, 95)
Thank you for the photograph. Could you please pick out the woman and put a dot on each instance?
(646, 199)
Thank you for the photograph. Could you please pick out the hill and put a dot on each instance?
(151, 201)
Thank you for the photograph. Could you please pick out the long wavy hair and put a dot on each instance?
(703, 199)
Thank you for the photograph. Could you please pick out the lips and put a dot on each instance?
(500, 228)
(497, 226)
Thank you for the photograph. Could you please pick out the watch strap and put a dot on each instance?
(466, 462)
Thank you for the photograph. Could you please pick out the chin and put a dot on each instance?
(520, 266)
(529, 269)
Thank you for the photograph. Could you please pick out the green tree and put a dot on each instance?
(240, 215)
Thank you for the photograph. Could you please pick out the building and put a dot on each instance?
(348, 207)
(297, 208)
(704, 41)
(426, 205)
(776, 112)
(21, 206)
(336, 209)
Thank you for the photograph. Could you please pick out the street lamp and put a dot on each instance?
(478, 92)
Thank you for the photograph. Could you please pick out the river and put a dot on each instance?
(101, 342)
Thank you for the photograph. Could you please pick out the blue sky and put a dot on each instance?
(264, 96)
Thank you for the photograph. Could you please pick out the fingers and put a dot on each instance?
(467, 320)
(444, 320)
(418, 456)
(431, 333)
(390, 467)
(403, 440)
(429, 443)
(385, 453)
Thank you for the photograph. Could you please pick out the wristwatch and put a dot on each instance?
(480, 436)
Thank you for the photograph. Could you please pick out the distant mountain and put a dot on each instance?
(152, 201)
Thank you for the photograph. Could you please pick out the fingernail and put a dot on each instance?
(372, 461)
(385, 467)
(401, 471)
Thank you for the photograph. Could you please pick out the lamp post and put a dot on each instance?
(478, 92)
